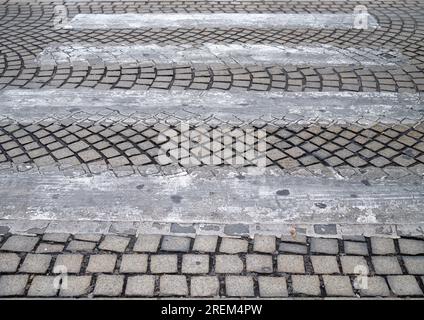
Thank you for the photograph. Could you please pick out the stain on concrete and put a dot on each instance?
(283, 192)
(320, 205)
(140, 186)
(176, 198)
(365, 182)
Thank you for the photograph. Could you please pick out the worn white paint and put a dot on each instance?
(217, 20)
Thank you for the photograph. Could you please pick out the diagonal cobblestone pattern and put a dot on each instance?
(147, 265)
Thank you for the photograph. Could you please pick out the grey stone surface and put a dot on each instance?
(56, 237)
(20, 243)
(325, 229)
(382, 245)
(404, 285)
(42, 286)
(414, 265)
(272, 286)
(195, 263)
(143, 285)
(76, 286)
(179, 228)
(354, 264)
(228, 264)
(71, 262)
(328, 246)
(49, 248)
(134, 263)
(325, 264)
(205, 243)
(264, 244)
(296, 238)
(259, 263)
(239, 286)
(164, 263)
(13, 285)
(77, 245)
(293, 248)
(338, 286)
(93, 237)
(204, 286)
(101, 263)
(114, 243)
(290, 263)
(36, 263)
(355, 248)
(230, 245)
(177, 244)
(109, 285)
(411, 246)
(173, 285)
(306, 285)
(238, 229)
(376, 287)
(147, 243)
(9, 262)
(386, 265)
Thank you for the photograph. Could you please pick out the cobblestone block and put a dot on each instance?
(13, 285)
(353, 264)
(49, 248)
(173, 285)
(414, 265)
(77, 286)
(9, 262)
(36, 263)
(140, 286)
(325, 264)
(19, 243)
(382, 246)
(404, 285)
(177, 244)
(56, 237)
(101, 263)
(114, 243)
(355, 248)
(376, 287)
(328, 246)
(134, 263)
(338, 286)
(166, 263)
(264, 244)
(42, 286)
(293, 248)
(195, 263)
(147, 243)
(109, 285)
(228, 264)
(306, 285)
(259, 263)
(272, 286)
(204, 286)
(386, 265)
(411, 247)
(239, 286)
(297, 238)
(76, 245)
(205, 243)
(230, 245)
(290, 263)
(71, 263)
(93, 237)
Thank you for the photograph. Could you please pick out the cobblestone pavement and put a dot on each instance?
(95, 265)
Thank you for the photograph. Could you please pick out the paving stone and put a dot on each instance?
(13, 285)
(272, 286)
(386, 265)
(205, 243)
(338, 286)
(101, 263)
(164, 263)
(173, 285)
(306, 285)
(414, 265)
(410, 246)
(382, 246)
(76, 245)
(20, 243)
(42, 286)
(230, 245)
(404, 285)
(354, 265)
(114, 243)
(93, 237)
(204, 286)
(228, 264)
(171, 243)
(56, 237)
(293, 248)
(9, 262)
(195, 263)
(265, 244)
(376, 287)
(328, 246)
(259, 263)
(239, 286)
(36, 263)
(109, 285)
(76, 286)
(290, 263)
(297, 238)
(147, 243)
(49, 248)
(134, 263)
(356, 248)
(325, 264)
(69, 262)
(140, 286)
